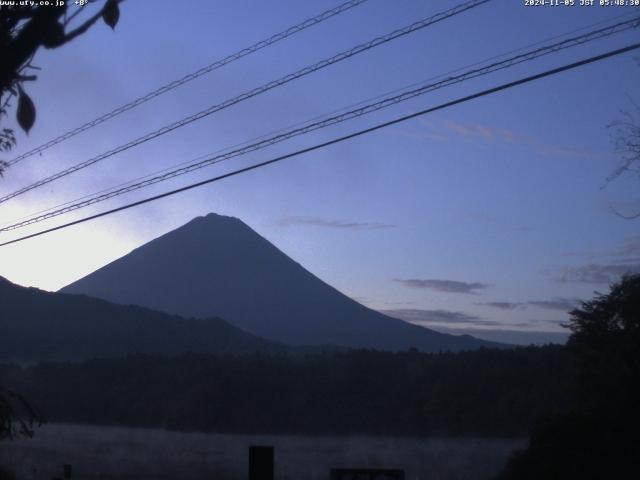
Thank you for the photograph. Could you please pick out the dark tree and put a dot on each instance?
(625, 134)
(354, 392)
(606, 342)
(17, 416)
(598, 437)
(24, 29)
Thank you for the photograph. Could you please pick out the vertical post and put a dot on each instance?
(260, 463)
(67, 471)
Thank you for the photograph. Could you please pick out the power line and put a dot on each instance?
(379, 126)
(334, 112)
(149, 180)
(349, 115)
(193, 75)
(256, 91)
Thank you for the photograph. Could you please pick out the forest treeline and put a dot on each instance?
(483, 392)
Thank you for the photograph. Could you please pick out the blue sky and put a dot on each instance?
(487, 216)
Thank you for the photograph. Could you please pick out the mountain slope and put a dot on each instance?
(36, 325)
(218, 266)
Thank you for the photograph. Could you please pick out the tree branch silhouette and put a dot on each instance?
(24, 29)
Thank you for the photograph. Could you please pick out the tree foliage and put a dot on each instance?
(606, 341)
(484, 392)
(625, 134)
(17, 416)
(25, 27)
(598, 437)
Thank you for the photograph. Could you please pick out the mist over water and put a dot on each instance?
(124, 453)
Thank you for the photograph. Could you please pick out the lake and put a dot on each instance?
(127, 453)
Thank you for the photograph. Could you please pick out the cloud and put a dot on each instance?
(418, 315)
(362, 300)
(417, 135)
(608, 265)
(293, 221)
(556, 303)
(501, 136)
(555, 323)
(448, 318)
(483, 131)
(628, 251)
(486, 134)
(631, 247)
(501, 305)
(516, 337)
(597, 273)
(451, 286)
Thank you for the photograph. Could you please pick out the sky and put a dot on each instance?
(493, 217)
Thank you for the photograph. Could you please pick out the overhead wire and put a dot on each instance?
(325, 122)
(350, 136)
(309, 22)
(334, 112)
(416, 26)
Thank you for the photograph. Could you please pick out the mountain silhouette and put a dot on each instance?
(37, 326)
(217, 266)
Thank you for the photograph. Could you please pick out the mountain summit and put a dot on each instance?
(217, 266)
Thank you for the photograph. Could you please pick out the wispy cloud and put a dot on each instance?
(449, 318)
(485, 132)
(605, 265)
(450, 286)
(556, 303)
(595, 273)
(516, 337)
(362, 300)
(555, 323)
(491, 134)
(630, 249)
(500, 305)
(417, 135)
(419, 315)
(293, 221)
